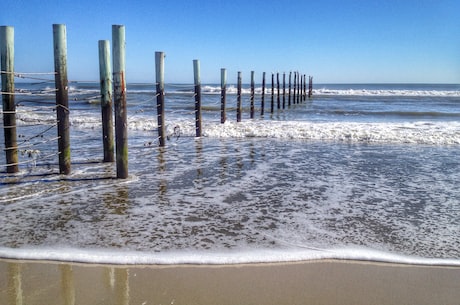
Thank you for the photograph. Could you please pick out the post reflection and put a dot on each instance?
(15, 284)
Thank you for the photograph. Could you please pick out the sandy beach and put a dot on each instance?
(315, 282)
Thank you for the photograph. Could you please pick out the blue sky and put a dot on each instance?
(336, 41)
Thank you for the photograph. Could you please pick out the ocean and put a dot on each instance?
(358, 171)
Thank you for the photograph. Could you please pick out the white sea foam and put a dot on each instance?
(213, 258)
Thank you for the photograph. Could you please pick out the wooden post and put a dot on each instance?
(238, 99)
(119, 90)
(295, 88)
(196, 76)
(9, 107)
(284, 90)
(298, 87)
(252, 94)
(289, 93)
(105, 75)
(223, 95)
(273, 94)
(160, 86)
(278, 91)
(62, 96)
(310, 86)
(262, 101)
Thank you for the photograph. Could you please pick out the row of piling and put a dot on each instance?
(113, 97)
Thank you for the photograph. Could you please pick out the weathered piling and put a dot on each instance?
(160, 87)
(284, 90)
(290, 88)
(278, 100)
(223, 95)
(310, 86)
(273, 94)
(119, 90)
(238, 99)
(9, 107)
(295, 88)
(62, 96)
(262, 99)
(105, 75)
(196, 76)
(252, 95)
(298, 87)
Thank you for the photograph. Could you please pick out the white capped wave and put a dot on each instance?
(121, 257)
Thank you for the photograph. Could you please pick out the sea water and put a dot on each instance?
(365, 172)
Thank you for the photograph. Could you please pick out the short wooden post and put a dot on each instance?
(238, 99)
(105, 75)
(196, 76)
(284, 90)
(223, 95)
(119, 90)
(290, 88)
(252, 95)
(262, 100)
(278, 100)
(273, 94)
(310, 86)
(9, 107)
(160, 87)
(62, 96)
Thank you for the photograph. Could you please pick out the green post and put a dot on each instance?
(9, 107)
(105, 73)
(159, 72)
(119, 92)
(223, 94)
(196, 76)
(62, 96)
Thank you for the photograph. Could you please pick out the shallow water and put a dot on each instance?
(279, 188)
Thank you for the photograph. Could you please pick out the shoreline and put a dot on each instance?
(327, 281)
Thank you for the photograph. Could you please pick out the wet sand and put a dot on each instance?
(316, 282)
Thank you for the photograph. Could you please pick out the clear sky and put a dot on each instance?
(336, 41)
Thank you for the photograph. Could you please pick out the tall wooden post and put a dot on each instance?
(238, 99)
(196, 76)
(310, 86)
(289, 92)
(262, 101)
(9, 107)
(105, 75)
(278, 100)
(252, 95)
(284, 90)
(273, 94)
(298, 87)
(62, 96)
(119, 90)
(160, 86)
(295, 88)
(223, 95)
